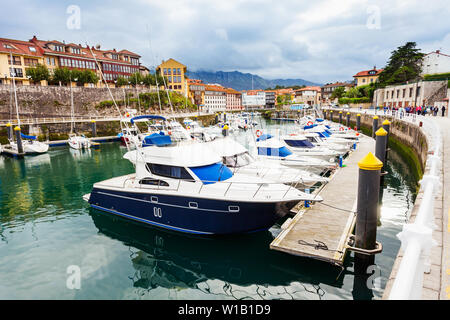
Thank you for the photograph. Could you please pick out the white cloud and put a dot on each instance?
(320, 41)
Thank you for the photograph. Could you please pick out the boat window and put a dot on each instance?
(153, 182)
(237, 160)
(212, 173)
(277, 152)
(299, 143)
(169, 171)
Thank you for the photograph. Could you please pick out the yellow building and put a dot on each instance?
(175, 72)
(15, 57)
(367, 77)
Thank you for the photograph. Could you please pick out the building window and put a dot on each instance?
(418, 91)
(76, 50)
(170, 78)
(404, 93)
(32, 49)
(134, 61)
(16, 60)
(165, 71)
(30, 62)
(7, 46)
(115, 56)
(410, 92)
(59, 48)
(16, 72)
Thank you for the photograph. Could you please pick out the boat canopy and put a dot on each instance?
(319, 119)
(310, 126)
(226, 147)
(132, 120)
(157, 139)
(212, 173)
(264, 137)
(28, 137)
(274, 152)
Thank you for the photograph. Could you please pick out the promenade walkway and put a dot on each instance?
(436, 283)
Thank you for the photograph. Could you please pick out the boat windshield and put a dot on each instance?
(212, 173)
(238, 160)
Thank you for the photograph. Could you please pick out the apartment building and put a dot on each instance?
(215, 99)
(175, 73)
(233, 100)
(15, 57)
(435, 62)
(55, 54)
(328, 89)
(196, 92)
(309, 95)
(367, 76)
(270, 99)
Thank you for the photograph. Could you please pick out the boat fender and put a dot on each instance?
(341, 128)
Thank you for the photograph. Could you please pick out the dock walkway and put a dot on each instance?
(330, 222)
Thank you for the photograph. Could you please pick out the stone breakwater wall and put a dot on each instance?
(54, 101)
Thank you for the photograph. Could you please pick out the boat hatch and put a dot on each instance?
(277, 152)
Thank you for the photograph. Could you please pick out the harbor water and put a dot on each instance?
(47, 231)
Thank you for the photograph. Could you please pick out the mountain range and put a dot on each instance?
(243, 81)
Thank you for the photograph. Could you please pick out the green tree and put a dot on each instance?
(405, 64)
(38, 73)
(61, 75)
(338, 93)
(121, 81)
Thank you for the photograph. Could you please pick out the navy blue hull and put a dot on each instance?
(211, 216)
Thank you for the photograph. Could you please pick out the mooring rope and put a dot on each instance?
(319, 245)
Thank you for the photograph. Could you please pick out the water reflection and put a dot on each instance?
(172, 260)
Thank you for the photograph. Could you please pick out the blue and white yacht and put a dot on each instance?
(273, 149)
(236, 157)
(186, 187)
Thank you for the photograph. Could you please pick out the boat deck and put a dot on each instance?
(330, 222)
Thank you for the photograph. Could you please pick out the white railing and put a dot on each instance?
(416, 237)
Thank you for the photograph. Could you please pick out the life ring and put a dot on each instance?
(293, 134)
(310, 123)
(341, 128)
(258, 133)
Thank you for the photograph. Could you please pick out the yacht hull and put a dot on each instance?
(211, 216)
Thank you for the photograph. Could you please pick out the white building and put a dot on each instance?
(253, 99)
(435, 62)
(215, 99)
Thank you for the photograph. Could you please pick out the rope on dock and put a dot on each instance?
(320, 245)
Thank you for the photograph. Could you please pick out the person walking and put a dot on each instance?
(436, 109)
(443, 111)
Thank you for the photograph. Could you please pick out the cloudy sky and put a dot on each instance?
(321, 41)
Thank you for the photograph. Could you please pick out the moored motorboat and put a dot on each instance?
(186, 187)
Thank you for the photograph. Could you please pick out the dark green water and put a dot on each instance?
(45, 227)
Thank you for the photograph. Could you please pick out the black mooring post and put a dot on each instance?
(94, 128)
(387, 126)
(381, 145)
(225, 130)
(340, 117)
(9, 130)
(19, 140)
(358, 121)
(374, 126)
(331, 115)
(348, 119)
(367, 205)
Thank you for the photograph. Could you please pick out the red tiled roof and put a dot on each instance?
(129, 53)
(438, 52)
(337, 84)
(312, 88)
(19, 47)
(85, 51)
(210, 87)
(365, 73)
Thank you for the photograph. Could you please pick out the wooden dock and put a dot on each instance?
(322, 231)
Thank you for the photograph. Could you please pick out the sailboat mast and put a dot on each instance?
(13, 73)
(71, 106)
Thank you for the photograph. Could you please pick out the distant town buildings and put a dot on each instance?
(367, 76)
(328, 89)
(253, 99)
(308, 95)
(215, 99)
(54, 54)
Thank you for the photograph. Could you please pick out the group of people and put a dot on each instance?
(419, 110)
